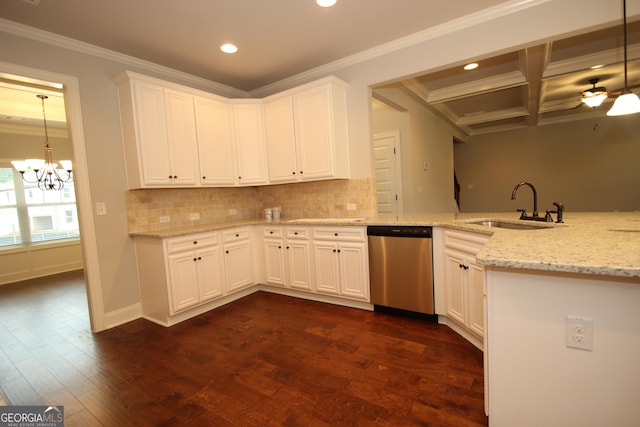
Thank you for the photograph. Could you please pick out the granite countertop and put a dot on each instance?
(598, 243)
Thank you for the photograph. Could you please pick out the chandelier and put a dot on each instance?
(47, 174)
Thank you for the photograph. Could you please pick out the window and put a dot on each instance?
(28, 214)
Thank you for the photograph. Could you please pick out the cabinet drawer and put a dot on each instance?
(470, 243)
(234, 234)
(301, 233)
(352, 234)
(192, 241)
(272, 231)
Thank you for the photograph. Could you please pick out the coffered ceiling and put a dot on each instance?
(537, 85)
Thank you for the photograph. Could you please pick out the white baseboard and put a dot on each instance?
(122, 315)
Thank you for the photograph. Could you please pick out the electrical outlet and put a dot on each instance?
(579, 333)
(194, 216)
(351, 206)
(233, 211)
(165, 219)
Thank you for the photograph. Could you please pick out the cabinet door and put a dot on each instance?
(314, 138)
(475, 288)
(299, 262)
(209, 273)
(353, 270)
(250, 147)
(274, 262)
(181, 133)
(151, 133)
(183, 280)
(456, 294)
(215, 141)
(280, 140)
(238, 262)
(327, 270)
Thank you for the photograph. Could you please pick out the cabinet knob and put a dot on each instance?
(295, 232)
(271, 232)
(195, 242)
(279, 247)
(301, 172)
(338, 250)
(199, 258)
(335, 234)
(287, 247)
(237, 235)
(226, 252)
(334, 250)
(204, 177)
(293, 173)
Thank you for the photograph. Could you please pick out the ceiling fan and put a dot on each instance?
(594, 96)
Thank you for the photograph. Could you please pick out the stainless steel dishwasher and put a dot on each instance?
(401, 268)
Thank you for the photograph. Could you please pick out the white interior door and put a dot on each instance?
(386, 158)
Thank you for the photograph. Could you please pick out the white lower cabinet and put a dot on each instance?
(238, 258)
(194, 277)
(341, 262)
(464, 280)
(179, 276)
(287, 257)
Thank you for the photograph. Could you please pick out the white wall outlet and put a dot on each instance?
(579, 333)
(351, 206)
(101, 208)
(233, 211)
(165, 219)
(194, 216)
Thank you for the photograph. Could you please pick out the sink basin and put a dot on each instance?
(511, 225)
(324, 220)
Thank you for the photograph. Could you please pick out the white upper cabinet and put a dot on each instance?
(214, 127)
(175, 136)
(181, 135)
(249, 142)
(159, 137)
(306, 132)
(280, 136)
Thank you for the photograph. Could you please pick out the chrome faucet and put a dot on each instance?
(535, 200)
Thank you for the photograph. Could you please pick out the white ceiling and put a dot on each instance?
(279, 39)
(276, 39)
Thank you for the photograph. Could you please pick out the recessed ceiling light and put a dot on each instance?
(471, 66)
(228, 48)
(325, 3)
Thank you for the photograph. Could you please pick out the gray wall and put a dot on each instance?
(587, 167)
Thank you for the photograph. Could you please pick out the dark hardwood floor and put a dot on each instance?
(264, 360)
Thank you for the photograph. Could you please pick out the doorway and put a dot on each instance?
(70, 88)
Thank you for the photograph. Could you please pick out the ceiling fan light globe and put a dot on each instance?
(594, 100)
(627, 103)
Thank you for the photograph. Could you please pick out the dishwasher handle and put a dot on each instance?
(400, 231)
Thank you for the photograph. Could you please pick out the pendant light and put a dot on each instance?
(627, 102)
(48, 176)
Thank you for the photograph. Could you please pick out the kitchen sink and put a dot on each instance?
(497, 223)
(324, 220)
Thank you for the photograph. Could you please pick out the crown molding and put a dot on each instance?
(25, 31)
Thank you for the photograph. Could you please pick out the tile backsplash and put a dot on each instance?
(307, 199)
